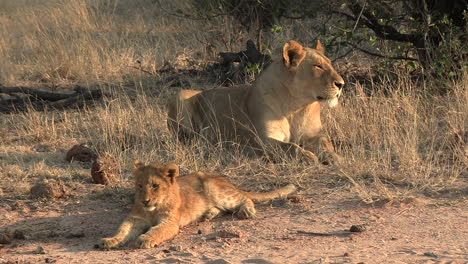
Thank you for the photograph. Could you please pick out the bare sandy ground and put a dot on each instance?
(313, 229)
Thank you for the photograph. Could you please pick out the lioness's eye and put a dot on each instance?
(155, 186)
(319, 66)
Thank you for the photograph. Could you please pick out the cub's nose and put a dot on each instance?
(146, 202)
(339, 84)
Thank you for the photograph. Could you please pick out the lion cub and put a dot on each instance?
(165, 202)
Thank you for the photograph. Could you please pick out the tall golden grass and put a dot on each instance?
(394, 143)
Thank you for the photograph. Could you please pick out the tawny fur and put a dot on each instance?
(281, 110)
(164, 202)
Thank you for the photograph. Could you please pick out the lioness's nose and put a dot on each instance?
(146, 202)
(339, 85)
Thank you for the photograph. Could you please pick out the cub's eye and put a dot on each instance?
(140, 186)
(155, 186)
(319, 66)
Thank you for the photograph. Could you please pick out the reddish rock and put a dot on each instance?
(104, 170)
(80, 152)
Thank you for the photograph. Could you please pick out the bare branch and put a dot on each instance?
(381, 55)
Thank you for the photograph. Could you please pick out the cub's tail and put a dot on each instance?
(278, 193)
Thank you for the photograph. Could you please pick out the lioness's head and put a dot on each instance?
(313, 76)
(154, 184)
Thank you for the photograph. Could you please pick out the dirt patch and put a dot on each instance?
(67, 230)
(49, 190)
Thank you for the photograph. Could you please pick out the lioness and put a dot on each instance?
(281, 109)
(165, 202)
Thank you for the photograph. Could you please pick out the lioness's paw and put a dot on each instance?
(145, 242)
(311, 157)
(109, 242)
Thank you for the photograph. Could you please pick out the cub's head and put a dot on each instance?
(154, 184)
(313, 76)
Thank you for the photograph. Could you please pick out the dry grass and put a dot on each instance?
(394, 144)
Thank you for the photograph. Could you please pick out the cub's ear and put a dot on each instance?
(320, 47)
(138, 164)
(171, 170)
(293, 54)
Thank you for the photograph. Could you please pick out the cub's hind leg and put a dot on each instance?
(246, 209)
(212, 213)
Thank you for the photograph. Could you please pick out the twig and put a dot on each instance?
(381, 55)
(145, 71)
(359, 17)
(335, 233)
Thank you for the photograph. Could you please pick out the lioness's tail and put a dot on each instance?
(278, 193)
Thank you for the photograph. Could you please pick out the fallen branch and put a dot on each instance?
(335, 233)
(40, 94)
(250, 55)
(21, 98)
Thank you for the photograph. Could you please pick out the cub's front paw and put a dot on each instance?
(109, 242)
(145, 241)
(330, 158)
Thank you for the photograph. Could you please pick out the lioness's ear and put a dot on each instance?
(293, 54)
(171, 170)
(320, 47)
(138, 164)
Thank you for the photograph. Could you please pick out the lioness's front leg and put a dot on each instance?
(323, 148)
(290, 149)
(158, 234)
(129, 229)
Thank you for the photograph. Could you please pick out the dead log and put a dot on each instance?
(39, 94)
(17, 99)
(250, 55)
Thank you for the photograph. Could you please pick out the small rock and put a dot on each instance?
(6, 236)
(80, 152)
(430, 254)
(104, 170)
(49, 189)
(346, 254)
(175, 248)
(200, 232)
(218, 261)
(358, 228)
(39, 250)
